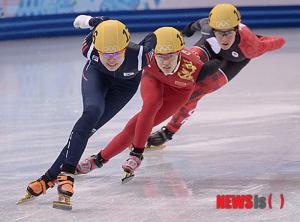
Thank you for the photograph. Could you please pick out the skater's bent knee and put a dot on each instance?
(92, 113)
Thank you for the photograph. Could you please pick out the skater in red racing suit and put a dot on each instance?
(223, 37)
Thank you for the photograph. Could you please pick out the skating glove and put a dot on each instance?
(82, 22)
(209, 68)
(187, 30)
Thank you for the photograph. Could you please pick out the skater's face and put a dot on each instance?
(112, 61)
(167, 62)
(225, 38)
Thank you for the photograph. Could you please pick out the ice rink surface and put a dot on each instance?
(243, 139)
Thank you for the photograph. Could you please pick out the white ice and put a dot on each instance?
(242, 139)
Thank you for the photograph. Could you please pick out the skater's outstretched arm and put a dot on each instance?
(85, 22)
(253, 45)
(199, 25)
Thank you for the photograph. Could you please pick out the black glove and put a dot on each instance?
(187, 31)
(209, 68)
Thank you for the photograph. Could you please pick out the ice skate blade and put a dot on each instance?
(26, 198)
(127, 177)
(63, 203)
(160, 147)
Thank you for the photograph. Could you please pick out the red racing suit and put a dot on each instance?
(162, 95)
(247, 45)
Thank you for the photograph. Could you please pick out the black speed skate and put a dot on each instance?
(158, 139)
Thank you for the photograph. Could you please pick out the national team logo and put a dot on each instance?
(187, 71)
(128, 73)
(235, 54)
(149, 56)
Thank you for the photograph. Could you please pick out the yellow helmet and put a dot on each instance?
(111, 36)
(169, 40)
(224, 16)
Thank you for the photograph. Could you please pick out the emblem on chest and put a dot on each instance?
(235, 54)
(187, 70)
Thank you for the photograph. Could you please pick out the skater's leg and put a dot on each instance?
(209, 84)
(171, 99)
(94, 89)
(152, 92)
(121, 141)
(185, 111)
(117, 97)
